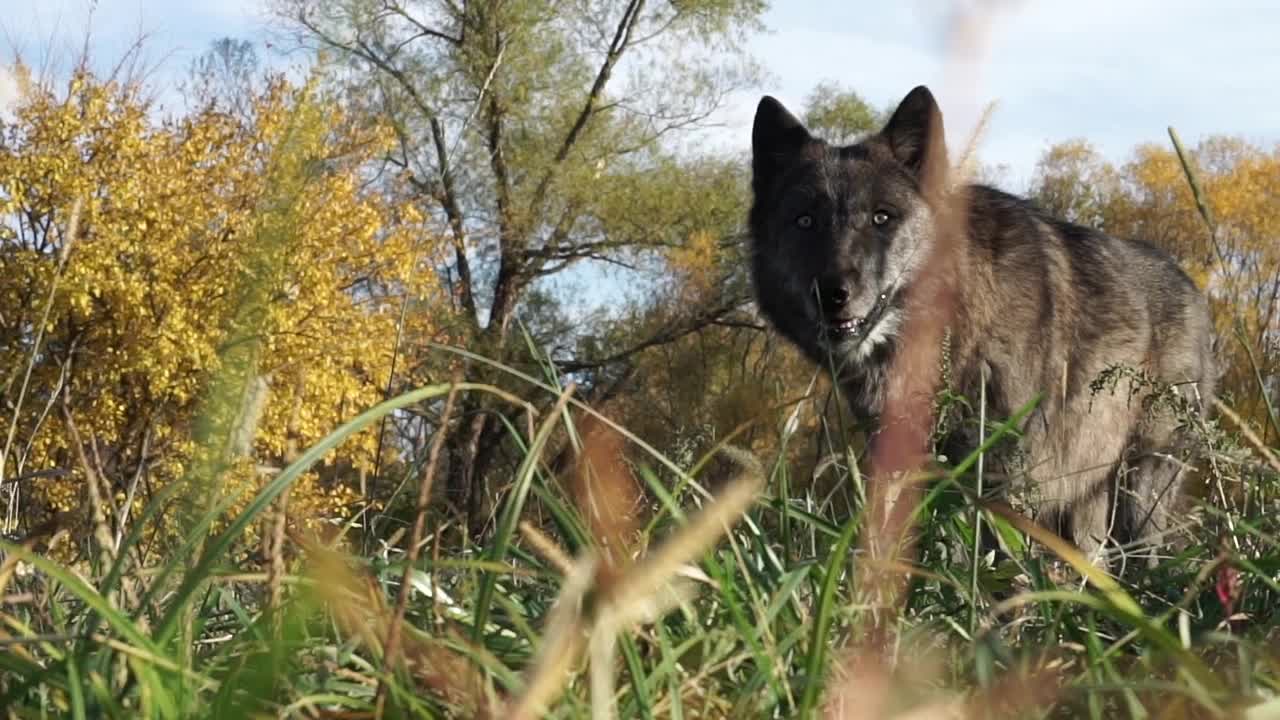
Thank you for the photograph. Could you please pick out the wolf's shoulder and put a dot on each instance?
(1011, 229)
(1001, 219)
(1001, 222)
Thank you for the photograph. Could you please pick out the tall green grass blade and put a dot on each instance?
(510, 517)
(815, 662)
(75, 680)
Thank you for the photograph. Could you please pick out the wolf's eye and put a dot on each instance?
(880, 217)
(804, 222)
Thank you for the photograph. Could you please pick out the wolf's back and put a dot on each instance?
(1076, 298)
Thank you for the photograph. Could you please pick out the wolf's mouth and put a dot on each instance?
(856, 328)
(844, 328)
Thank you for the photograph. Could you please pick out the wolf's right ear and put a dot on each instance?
(775, 135)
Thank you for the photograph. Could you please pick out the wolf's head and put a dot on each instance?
(839, 232)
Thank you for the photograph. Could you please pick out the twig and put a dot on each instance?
(123, 517)
(977, 511)
(386, 394)
(392, 646)
(101, 534)
(277, 571)
(1266, 452)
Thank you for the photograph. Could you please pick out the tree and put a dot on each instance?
(201, 245)
(540, 135)
(838, 114)
(1073, 181)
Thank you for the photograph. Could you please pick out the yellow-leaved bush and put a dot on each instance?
(197, 237)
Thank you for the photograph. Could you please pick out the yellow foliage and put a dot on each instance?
(697, 260)
(180, 229)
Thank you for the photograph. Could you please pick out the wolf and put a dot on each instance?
(1042, 308)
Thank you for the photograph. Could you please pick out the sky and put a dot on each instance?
(1117, 72)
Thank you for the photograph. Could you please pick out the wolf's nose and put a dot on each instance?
(833, 296)
(833, 293)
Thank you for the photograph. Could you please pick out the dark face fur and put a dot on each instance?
(839, 232)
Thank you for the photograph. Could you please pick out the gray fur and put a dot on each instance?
(1044, 306)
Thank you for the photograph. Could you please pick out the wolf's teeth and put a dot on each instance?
(848, 326)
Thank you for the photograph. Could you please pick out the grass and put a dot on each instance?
(719, 617)
(746, 600)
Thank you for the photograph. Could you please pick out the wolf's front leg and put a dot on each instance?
(1093, 522)
(1149, 498)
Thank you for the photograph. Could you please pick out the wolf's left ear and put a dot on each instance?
(914, 132)
(775, 135)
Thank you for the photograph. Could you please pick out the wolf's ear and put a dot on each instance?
(914, 132)
(775, 134)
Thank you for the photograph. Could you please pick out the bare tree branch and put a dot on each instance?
(423, 31)
(671, 333)
(449, 199)
(621, 41)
